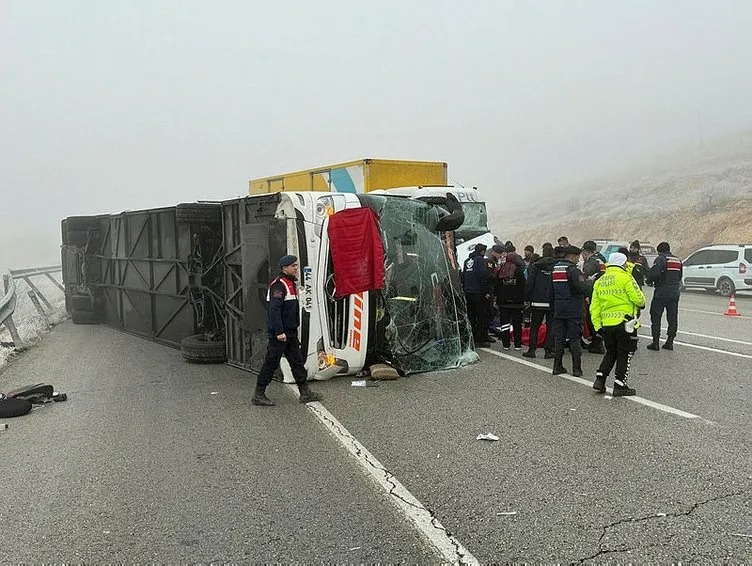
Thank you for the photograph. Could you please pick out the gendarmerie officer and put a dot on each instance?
(666, 278)
(283, 319)
(569, 289)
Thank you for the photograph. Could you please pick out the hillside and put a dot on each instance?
(690, 200)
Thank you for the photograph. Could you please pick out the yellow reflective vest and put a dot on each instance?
(616, 296)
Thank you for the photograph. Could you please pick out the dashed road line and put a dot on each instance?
(579, 380)
(433, 532)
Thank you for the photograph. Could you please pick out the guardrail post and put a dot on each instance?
(38, 293)
(11, 326)
(40, 310)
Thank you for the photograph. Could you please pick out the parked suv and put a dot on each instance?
(726, 268)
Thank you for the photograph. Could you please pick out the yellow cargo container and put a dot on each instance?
(360, 176)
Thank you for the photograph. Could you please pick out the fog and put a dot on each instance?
(107, 106)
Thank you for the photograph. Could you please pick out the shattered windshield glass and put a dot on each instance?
(421, 322)
(476, 220)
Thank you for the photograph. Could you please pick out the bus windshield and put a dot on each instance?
(422, 323)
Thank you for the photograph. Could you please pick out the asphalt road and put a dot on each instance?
(152, 459)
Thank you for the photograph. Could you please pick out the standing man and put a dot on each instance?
(593, 266)
(538, 299)
(569, 291)
(636, 249)
(283, 319)
(614, 308)
(528, 257)
(666, 277)
(476, 280)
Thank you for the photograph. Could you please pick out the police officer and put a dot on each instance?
(569, 290)
(476, 280)
(614, 308)
(666, 277)
(283, 319)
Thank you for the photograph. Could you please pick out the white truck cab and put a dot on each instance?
(474, 229)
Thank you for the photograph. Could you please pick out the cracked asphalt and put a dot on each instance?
(152, 459)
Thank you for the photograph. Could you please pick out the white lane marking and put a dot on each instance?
(709, 312)
(713, 337)
(634, 399)
(728, 353)
(433, 532)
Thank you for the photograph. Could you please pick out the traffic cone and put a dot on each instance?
(731, 310)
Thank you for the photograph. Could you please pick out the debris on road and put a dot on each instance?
(487, 436)
(506, 513)
(358, 383)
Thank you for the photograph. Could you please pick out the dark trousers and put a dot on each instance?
(477, 314)
(511, 317)
(620, 347)
(657, 306)
(568, 329)
(290, 349)
(536, 317)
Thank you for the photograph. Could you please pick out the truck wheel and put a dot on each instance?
(201, 213)
(84, 317)
(198, 349)
(726, 286)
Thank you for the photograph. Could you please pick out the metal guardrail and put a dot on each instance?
(8, 300)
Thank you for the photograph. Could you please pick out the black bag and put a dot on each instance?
(12, 407)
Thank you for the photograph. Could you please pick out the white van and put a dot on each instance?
(726, 268)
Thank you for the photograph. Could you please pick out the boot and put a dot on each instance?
(530, 353)
(558, 367)
(577, 367)
(655, 344)
(669, 344)
(549, 354)
(306, 395)
(260, 398)
(600, 382)
(623, 390)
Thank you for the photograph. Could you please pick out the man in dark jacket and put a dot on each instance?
(509, 280)
(594, 265)
(476, 280)
(569, 291)
(666, 277)
(283, 319)
(538, 299)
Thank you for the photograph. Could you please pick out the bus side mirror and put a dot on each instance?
(455, 218)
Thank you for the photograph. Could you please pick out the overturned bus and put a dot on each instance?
(378, 278)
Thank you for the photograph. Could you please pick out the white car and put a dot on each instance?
(726, 268)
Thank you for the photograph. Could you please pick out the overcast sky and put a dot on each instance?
(113, 105)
